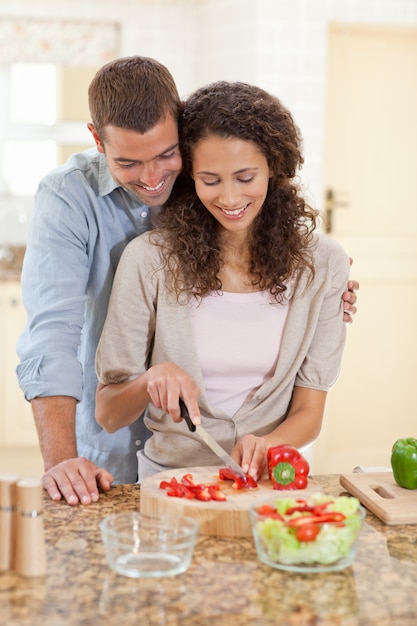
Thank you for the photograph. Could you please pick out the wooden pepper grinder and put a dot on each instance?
(7, 520)
(30, 557)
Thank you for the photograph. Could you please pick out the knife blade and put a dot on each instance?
(209, 441)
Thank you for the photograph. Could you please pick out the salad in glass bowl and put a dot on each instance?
(315, 535)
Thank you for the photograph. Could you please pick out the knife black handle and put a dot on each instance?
(186, 415)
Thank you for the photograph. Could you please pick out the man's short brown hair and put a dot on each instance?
(134, 93)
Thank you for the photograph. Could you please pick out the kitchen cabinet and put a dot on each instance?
(17, 427)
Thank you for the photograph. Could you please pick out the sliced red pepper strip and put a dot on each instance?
(225, 473)
(185, 492)
(302, 506)
(320, 508)
(301, 509)
(203, 494)
(240, 481)
(250, 482)
(188, 480)
(216, 493)
(334, 516)
(171, 484)
(164, 484)
(269, 511)
(174, 488)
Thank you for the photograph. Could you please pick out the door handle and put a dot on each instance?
(330, 205)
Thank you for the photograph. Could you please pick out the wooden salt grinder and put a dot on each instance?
(30, 538)
(7, 520)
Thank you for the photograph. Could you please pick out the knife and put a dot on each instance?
(209, 441)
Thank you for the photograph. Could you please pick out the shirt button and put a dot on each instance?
(144, 214)
(138, 442)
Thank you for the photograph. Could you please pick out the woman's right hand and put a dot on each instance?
(119, 404)
(166, 383)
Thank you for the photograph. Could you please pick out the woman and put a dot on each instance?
(233, 303)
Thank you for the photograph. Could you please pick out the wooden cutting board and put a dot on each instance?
(224, 519)
(379, 493)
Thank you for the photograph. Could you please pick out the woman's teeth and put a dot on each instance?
(235, 211)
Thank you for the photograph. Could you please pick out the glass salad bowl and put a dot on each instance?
(316, 535)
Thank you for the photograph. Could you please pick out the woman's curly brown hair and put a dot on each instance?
(280, 236)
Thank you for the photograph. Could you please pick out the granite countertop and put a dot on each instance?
(225, 583)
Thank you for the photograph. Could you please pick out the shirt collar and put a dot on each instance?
(106, 183)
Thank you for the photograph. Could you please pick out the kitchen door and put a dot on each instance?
(371, 203)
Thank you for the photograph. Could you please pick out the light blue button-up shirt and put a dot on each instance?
(80, 225)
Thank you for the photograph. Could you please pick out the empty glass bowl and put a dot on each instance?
(139, 546)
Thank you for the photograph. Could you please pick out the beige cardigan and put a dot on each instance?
(145, 325)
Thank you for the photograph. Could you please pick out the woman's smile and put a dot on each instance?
(231, 179)
(234, 213)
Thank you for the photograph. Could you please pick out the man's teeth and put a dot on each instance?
(235, 212)
(153, 188)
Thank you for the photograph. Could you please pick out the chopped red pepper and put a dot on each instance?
(250, 482)
(240, 481)
(303, 507)
(287, 468)
(300, 509)
(203, 494)
(165, 484)
(216, 493)
(188, 480)
(306, 526)
(187, 488)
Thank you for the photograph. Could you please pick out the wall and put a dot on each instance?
(278, 44)
(282, 46)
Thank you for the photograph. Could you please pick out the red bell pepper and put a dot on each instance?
(287, 468)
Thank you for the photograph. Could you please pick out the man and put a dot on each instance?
(85, 213)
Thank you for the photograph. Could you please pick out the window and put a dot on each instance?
(43, 104)
(32, 133)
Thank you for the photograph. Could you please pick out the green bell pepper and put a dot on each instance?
(404, 462)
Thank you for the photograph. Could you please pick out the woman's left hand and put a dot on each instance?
(349, 299)
(250, 452)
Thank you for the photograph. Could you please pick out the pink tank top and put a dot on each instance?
(238, 336)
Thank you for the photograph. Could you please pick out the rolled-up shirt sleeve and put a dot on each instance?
(39, 377)
(54, 287)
